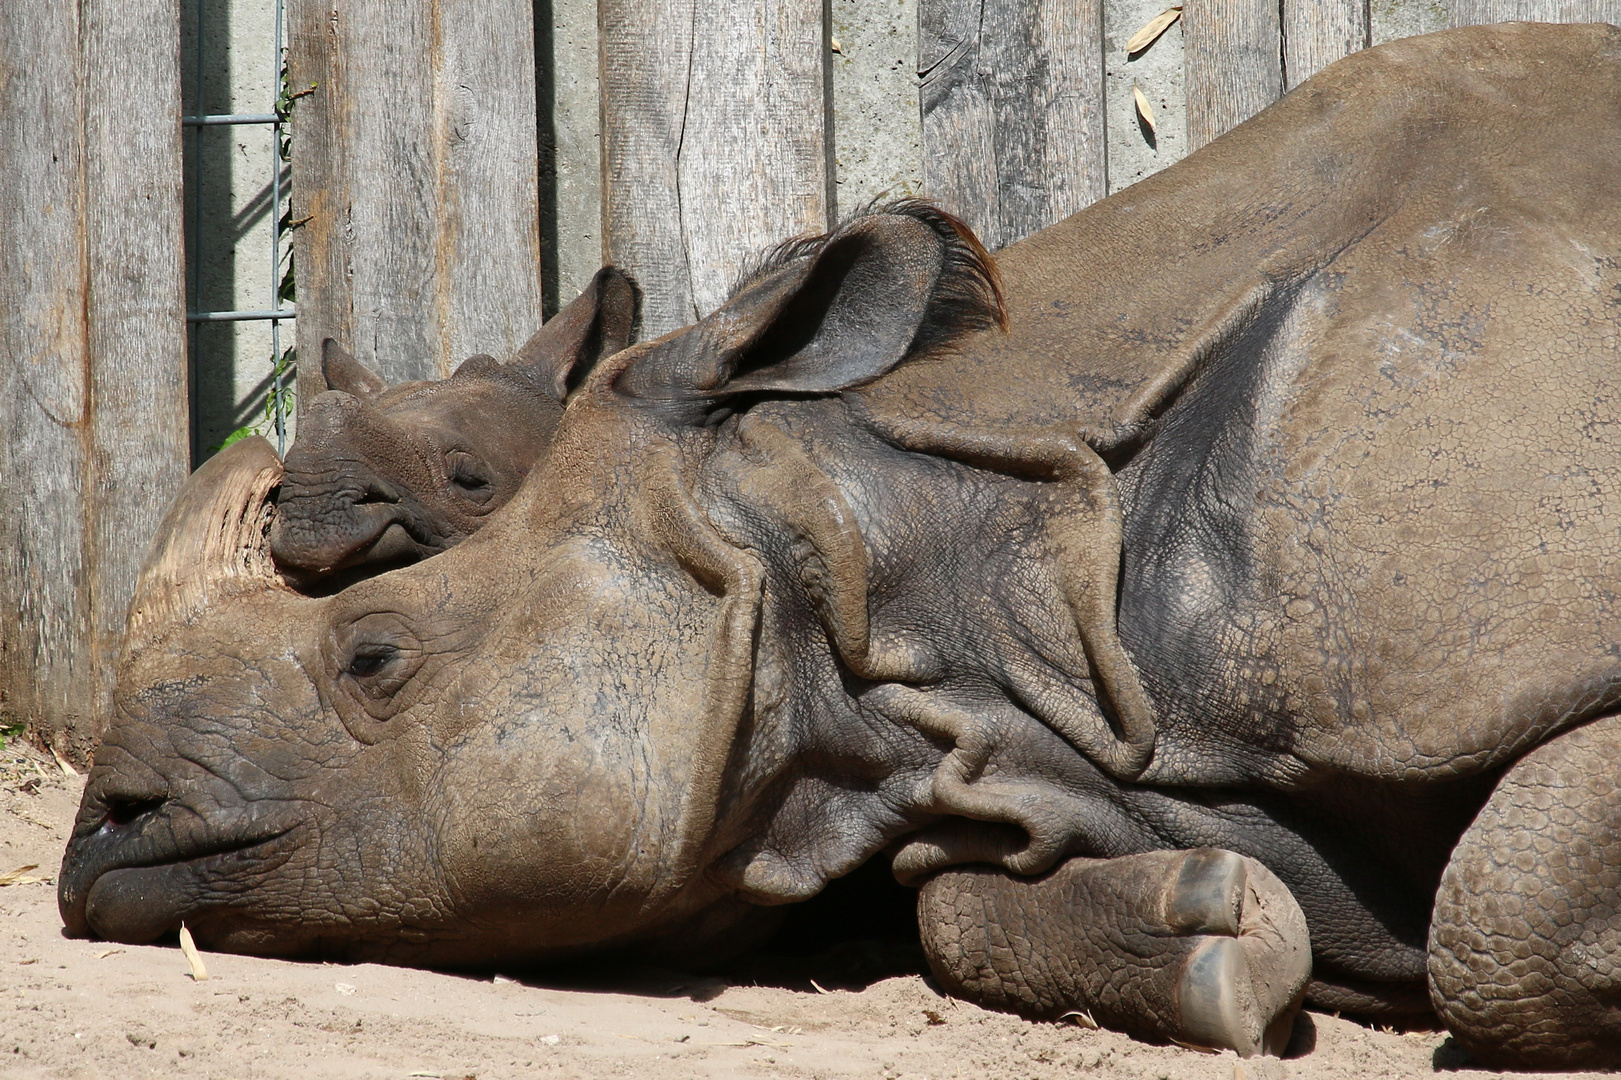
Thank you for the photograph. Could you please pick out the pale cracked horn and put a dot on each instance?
(213, 543)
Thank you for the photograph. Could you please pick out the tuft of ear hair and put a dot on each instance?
(824, 314)
(967, 294)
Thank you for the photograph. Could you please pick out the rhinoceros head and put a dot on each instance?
(575, 729)
(383, 475)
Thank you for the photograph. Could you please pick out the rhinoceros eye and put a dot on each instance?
(369, 660)
(469, 478)
(377, 654)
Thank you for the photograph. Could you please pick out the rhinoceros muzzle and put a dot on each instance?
(321, 532)
(156, 842)
(135, 880)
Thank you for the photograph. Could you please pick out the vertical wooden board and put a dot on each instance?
(43, 393)
(1318, 32)
(1469, 12)
(1392, 20)
(415, 162)
(488, 249)
(93, 432)
(753, 161)
(714, 142)
(320, 184)
(389, 134)
(959, 146)
(1234, 62)
(1013, 110)
(139, 438)
(645, 59)
(1050, 119)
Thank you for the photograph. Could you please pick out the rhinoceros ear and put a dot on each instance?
(823, 314)
(598, 323)
(343, 372)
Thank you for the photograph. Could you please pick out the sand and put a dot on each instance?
(91, 1009)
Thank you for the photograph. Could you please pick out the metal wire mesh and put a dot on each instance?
(277, 311)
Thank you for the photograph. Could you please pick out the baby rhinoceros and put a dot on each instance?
(383, 476)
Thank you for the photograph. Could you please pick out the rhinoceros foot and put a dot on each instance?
(1203, 947)
(1525, 942)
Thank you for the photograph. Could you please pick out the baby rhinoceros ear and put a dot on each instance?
(824, 314)
(596, 324)
(343, 372)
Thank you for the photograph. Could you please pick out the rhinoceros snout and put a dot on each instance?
(318, 533)
(134, 872)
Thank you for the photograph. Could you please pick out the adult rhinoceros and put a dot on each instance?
(1265, 550)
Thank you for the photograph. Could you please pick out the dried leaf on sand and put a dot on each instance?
(20, 876)
(199, 970)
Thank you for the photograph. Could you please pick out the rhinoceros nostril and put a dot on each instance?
(379, 491)
(122, 812)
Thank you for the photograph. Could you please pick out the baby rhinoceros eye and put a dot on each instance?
(469, 477)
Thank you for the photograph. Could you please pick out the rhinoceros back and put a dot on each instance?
(1356, 363)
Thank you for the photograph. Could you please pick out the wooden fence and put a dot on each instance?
(430, 158)
(93, 425)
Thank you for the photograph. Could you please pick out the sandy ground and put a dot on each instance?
(89, 1009)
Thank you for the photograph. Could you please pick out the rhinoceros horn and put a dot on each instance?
(212, 542)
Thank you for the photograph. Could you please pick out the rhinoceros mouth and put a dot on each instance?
(134, 884)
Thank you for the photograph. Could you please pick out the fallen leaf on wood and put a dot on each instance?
(833, 42)
(1151, 31)
(1144, 109)
(199, 970)
(20, 876)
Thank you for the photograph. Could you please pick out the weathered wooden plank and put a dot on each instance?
(93, 432)
(714, 141)
(139, 437)
(1234, 61)
(1318, 32)
(571, 100)
(1469, 12)
(1013, 110)
(415, 162)
(43, 396)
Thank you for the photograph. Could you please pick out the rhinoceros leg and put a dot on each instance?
(1202, 947)
(1525, 941)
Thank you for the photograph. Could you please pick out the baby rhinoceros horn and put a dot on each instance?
(212, 544)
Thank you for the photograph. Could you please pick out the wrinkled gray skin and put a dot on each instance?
(1253, 591)
(381, 476)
